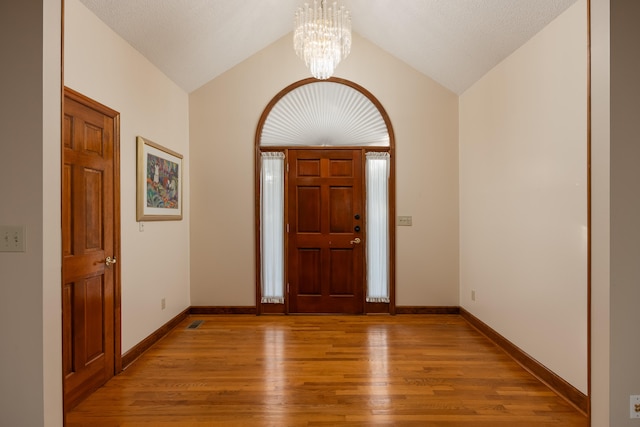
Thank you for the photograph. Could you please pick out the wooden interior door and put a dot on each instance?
(90, 232)
(326, 231)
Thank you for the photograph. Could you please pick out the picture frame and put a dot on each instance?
(159, 182)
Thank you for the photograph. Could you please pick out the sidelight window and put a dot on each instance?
(272, 226)
(377, 184)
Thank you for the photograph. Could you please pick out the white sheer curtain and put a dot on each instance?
(271, 226)
(377, 168)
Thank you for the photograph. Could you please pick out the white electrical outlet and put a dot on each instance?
(634, 403)
(12, 238)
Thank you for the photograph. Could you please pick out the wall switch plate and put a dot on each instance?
(163, 303)
(405, 220)
(12, 238)
(634, 406)
(141, 226)
(473, 295)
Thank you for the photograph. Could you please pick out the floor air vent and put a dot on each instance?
(195, 324)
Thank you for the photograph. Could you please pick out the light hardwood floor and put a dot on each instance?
(404, 370)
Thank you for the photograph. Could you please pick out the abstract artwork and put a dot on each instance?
(159, 182)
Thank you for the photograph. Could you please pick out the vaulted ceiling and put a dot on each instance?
(455, 42)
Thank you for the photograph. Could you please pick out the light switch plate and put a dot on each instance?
(634, 409)
(12, 238)
(405, 220)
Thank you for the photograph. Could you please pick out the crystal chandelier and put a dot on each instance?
(322, 36)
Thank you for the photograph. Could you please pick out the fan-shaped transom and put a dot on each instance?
(325, 113)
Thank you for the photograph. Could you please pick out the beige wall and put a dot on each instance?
(523, 197)
(625, 210)
(155, 263)
(224, 115)
(51, 233)
(30, 359)
(615, 348)
(21, 272)
(600, 216)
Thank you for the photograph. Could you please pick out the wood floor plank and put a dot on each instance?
(404, 370)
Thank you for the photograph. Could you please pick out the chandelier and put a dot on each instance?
(322, 36)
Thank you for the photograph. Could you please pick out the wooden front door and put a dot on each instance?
(90, 235)
(326, 231)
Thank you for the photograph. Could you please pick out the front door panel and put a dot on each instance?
(326, 231)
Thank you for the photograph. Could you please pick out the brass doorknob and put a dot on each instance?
(110, 261)
(356, 241)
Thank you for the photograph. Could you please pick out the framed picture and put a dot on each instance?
(159, 182)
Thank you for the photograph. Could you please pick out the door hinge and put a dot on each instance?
(287, 228)
(287, 167)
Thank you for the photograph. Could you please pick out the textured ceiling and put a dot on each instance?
(455, 42)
